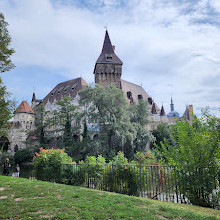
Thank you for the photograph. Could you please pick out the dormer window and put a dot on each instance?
(129, 95)
(150, 100)
(73, 88)
(65, 90)
(140, 97)
(108, 57)
(52, 94)
(58, 92)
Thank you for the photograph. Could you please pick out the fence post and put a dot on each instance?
(176, 184)
(88, 174)
(141, 182)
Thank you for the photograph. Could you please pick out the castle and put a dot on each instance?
(108, 69)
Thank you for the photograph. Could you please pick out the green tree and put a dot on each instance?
(123, 126)
(107, 108)
(160, 133)
(5, 50)
(195, 157)
(67, 120)
(7, 108)
(41, 123)
(139, 118)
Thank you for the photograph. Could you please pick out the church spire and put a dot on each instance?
(171, 105)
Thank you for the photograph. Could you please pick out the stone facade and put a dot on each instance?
(106, 73)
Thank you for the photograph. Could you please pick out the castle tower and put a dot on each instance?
(23, 121)
(108, 67)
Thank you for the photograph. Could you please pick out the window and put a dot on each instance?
(150, 101)
(58, 92)
(129, 95)
(108, 56)
(52, 94)
(73, 88)
(140, 97)
(65, 90)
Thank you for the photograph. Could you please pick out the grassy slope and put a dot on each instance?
(32, 199)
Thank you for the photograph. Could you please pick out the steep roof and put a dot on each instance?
(162, 111)
(108, 51)
(67, 88)
(24, 107)
(153, 109)
(137, 91)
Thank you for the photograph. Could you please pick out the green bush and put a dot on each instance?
(121, 177)
(74, 175)
(22, 156)
(49, 164)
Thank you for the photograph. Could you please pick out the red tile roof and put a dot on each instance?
(24, 107)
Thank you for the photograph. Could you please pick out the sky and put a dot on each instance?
(170, 47)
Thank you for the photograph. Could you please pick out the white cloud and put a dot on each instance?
(162, 44)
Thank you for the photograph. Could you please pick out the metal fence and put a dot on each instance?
(149, 181)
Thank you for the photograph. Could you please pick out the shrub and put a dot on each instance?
(120, 177)
(49, 164)
(23, 155)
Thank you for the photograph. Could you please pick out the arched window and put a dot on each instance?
(129, 94)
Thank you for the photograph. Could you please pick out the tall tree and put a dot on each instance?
(67, 120)
(121, 125)
(6, 105)
(6, 110)
(5, 50)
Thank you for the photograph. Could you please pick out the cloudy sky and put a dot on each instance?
(167, 46)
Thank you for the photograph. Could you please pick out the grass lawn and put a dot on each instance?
(31, 199)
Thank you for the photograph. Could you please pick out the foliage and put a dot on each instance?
(139, 118)
(49, 164)
(6, 110)
(5, 50)
(119, 159)
(195, 156)
(121, 127)
(23, 155)
(160, 133)
(39, 132)
(5, 155)
(63, 120)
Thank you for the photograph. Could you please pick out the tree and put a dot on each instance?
(5, 50)
(195, 157)
(122, 126)
(6, 106)
(139, 118)
(40, 139)
(6, 110)
(67, 120)
(160, 133)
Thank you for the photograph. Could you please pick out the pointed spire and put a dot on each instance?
(108, 54)
(153, 109)
(162, 111)
(33, 97)
(171, 105)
